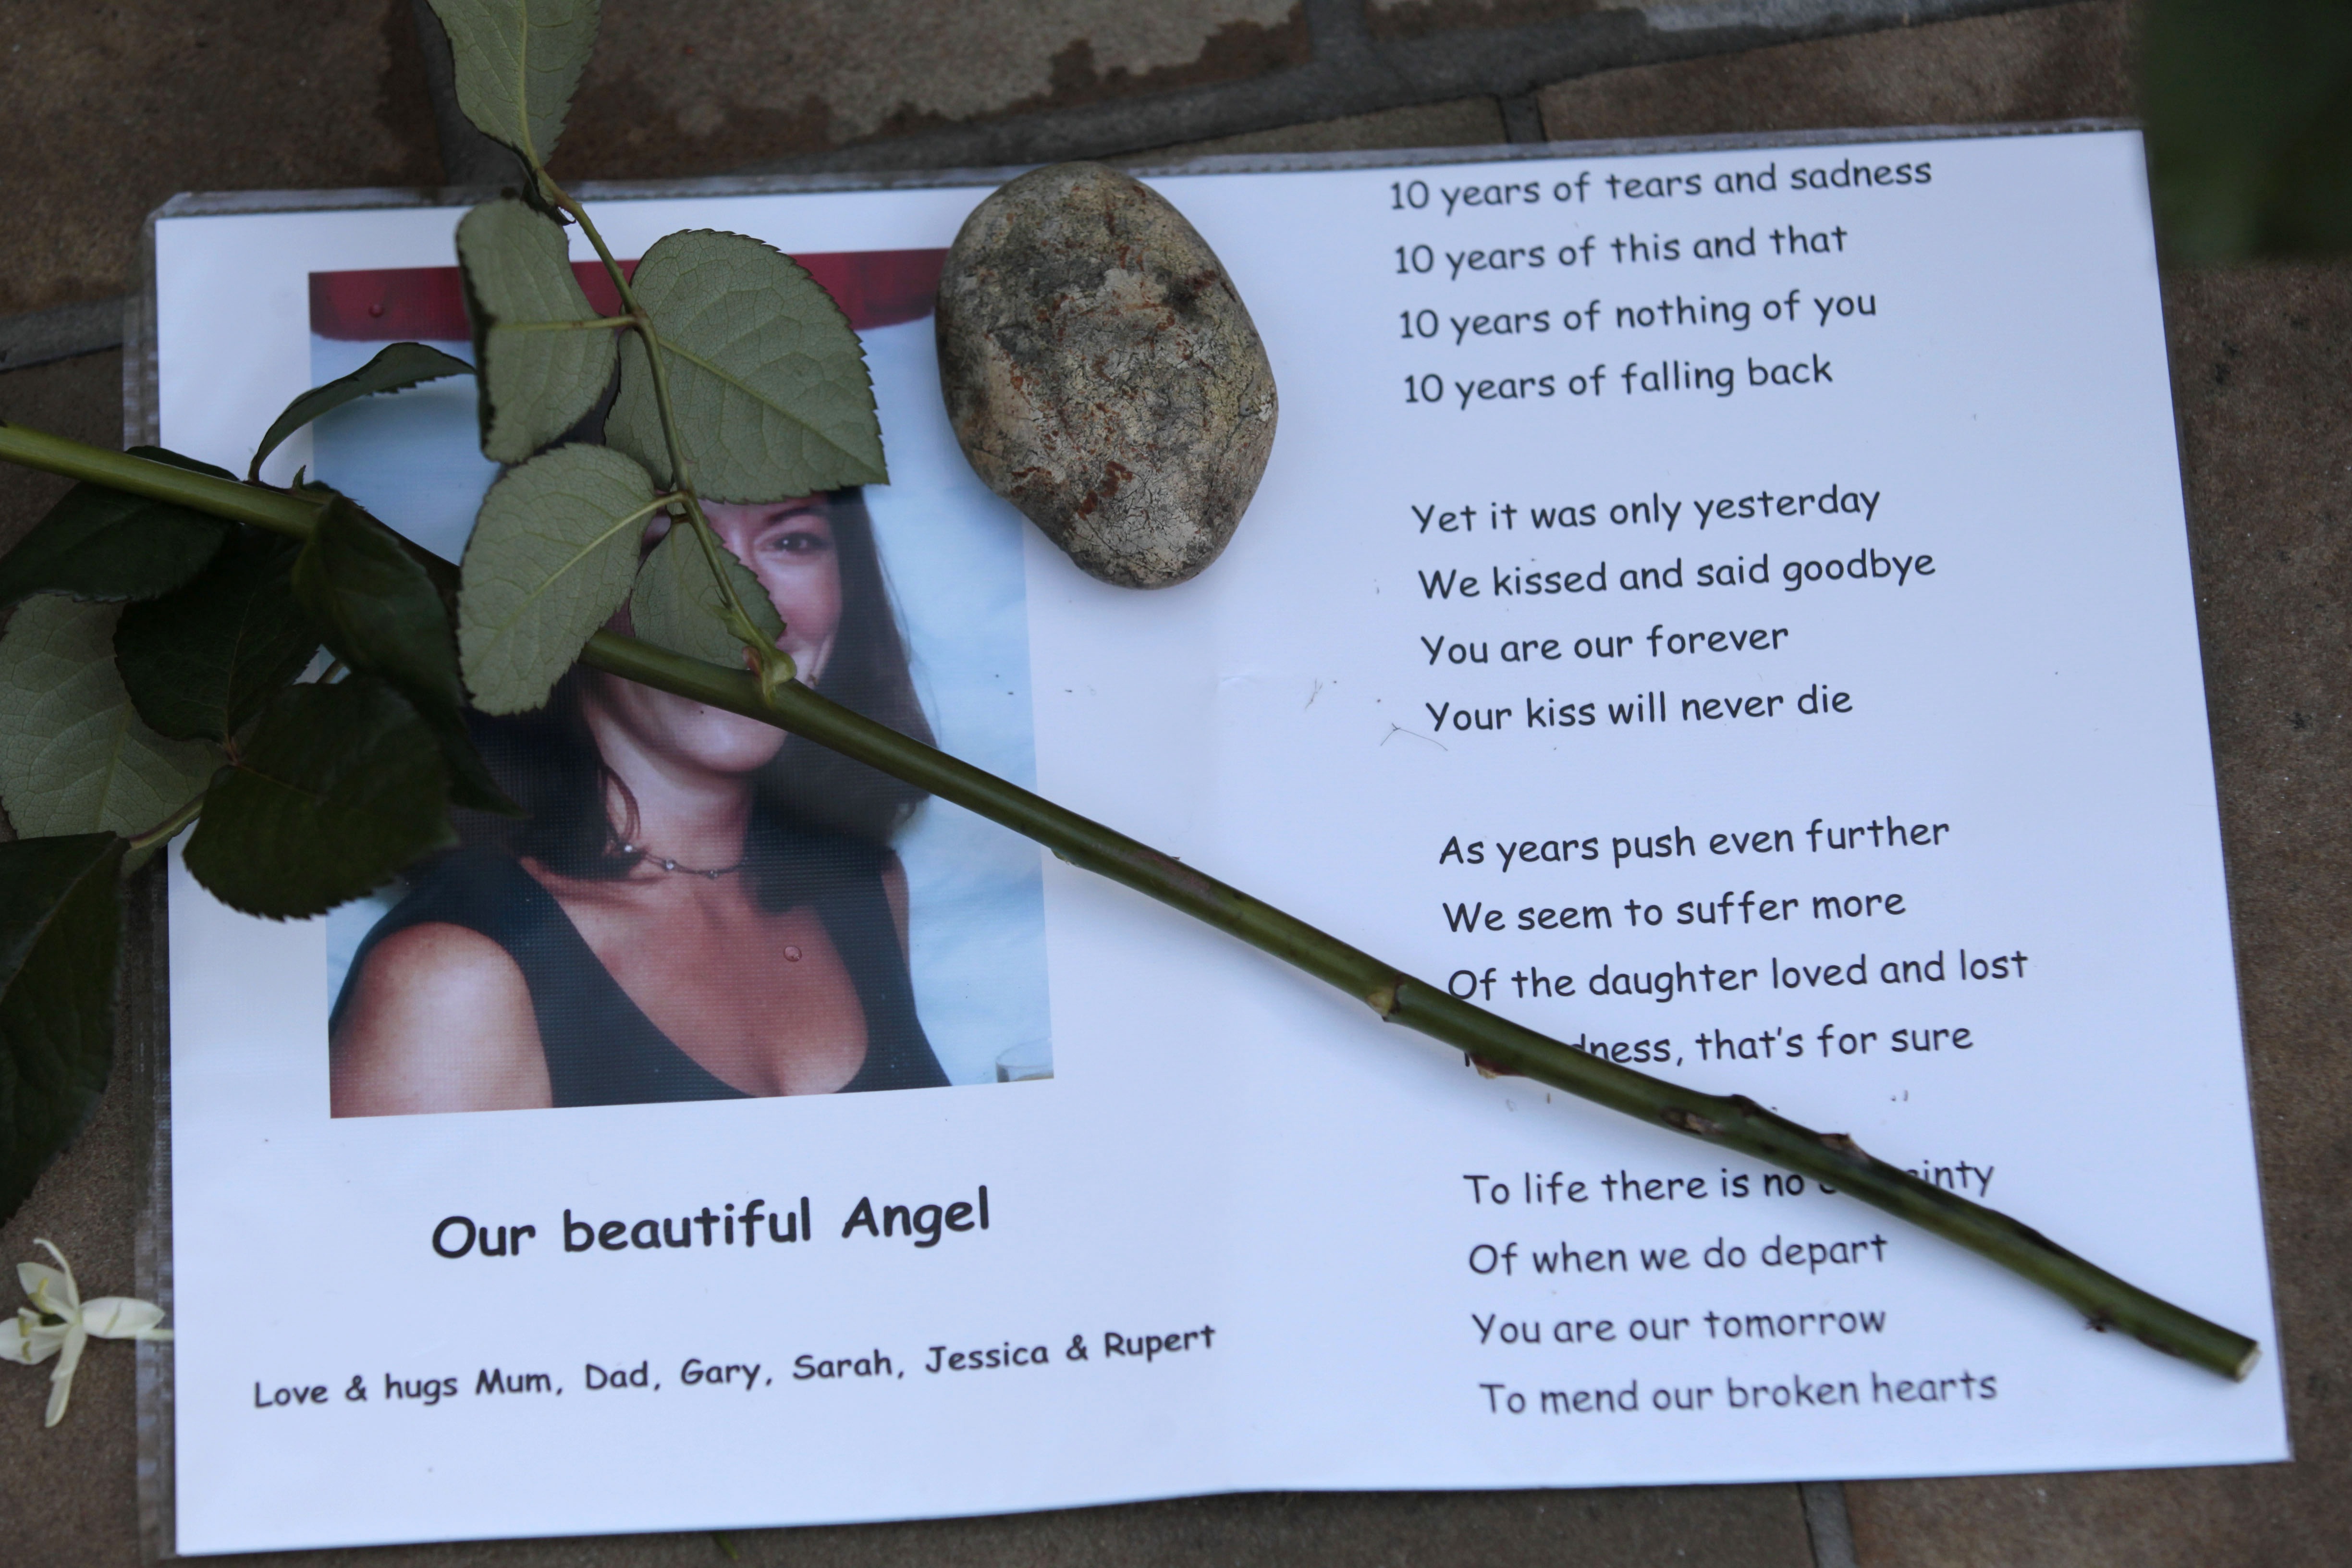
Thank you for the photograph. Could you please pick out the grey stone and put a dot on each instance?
(1102, 372)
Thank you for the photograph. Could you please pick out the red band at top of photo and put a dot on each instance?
(873, 288)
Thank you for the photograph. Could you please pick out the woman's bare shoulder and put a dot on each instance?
(440, 1019)
(438, 966)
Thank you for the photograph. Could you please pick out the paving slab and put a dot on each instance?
(1420, 18)
(1712, 1527)
(1408, 20)
(107, 109)
(2055, 63)
(81, 398)
(678, 90)
(76, 1500)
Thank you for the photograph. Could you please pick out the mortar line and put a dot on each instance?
(1827, 1524)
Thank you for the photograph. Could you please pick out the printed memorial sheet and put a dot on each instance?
(1728, 608)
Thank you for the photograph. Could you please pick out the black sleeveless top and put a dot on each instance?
(600, 1048)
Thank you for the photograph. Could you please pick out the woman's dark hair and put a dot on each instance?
(547, 761)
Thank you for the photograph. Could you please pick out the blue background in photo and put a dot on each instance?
(952, 554)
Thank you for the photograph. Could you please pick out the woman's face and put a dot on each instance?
(789, 546)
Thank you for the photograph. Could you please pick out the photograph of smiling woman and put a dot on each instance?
(696, 906)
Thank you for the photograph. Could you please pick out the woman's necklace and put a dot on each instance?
(712, 873)
(792, 954)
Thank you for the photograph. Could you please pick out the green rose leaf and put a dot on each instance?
(552, 556)
(101, 544)
(766, 377)
(378, 610)
(677, 604)
(399, 365)
(338, 788)
(471, 783)
(517, 63)
(373, 604)
(201, 660)
(74, 755)
(60, 926)
(540, 370)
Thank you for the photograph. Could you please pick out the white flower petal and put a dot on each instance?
(72, 1292)
(123, 1318)
(29, 1340)
(49, 1289)
(62, 1380)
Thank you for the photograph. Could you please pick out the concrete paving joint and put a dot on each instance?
(43, 337)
